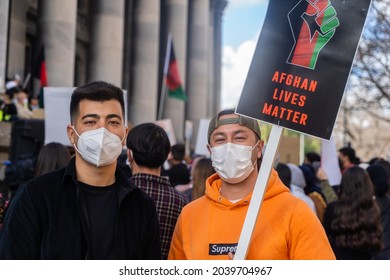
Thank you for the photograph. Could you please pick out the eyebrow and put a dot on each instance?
(240, 131)
(110, 116)
(96, 116)
(235, 132)
(218, 134)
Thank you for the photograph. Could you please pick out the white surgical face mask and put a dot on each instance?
(99, 147)
(232, 162)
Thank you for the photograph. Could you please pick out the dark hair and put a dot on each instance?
(51, 157)
(95, 91)
(356, 222)
(374, 160)
(284, 173)
(312, 157)
(12, 91)
(178, 152)
(350, 153)
(386, 165)
(202, 170)
(378, 176)
(311, 185)
(149, 144)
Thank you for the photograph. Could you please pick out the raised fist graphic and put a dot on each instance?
(313, 23)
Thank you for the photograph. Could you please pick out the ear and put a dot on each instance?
(125, 136)
(129, 155)
(209, 148)
(260, 145)
(71, 134)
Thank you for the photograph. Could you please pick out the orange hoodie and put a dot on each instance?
(286, 228)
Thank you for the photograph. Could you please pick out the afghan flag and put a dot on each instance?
(172, 77)
(41, 74)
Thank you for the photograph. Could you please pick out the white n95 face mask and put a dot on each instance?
(232, 162)
(99, 147)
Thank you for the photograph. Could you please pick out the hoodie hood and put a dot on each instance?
(297, 177)
(214, 183)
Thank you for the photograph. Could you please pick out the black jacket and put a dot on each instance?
(44, 221)
(384, 205)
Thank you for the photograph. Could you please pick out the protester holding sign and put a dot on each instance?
(210, 227)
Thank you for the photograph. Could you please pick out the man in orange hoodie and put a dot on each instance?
(210, 227)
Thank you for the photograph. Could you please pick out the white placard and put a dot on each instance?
(201, 140)
(166, 124)
(188, 128)
(330, 162)
(57, 116)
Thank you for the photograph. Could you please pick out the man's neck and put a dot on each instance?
(347, 164)
(240, 190)
(100, 177)
(175, 162)
(147, 170)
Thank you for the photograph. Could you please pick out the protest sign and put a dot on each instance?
(167, 125)
(330, 162)
(302, 62)
(201, 140)
(57, 101)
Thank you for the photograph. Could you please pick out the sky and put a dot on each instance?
(242, 21)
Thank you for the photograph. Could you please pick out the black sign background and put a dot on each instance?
(331, 70)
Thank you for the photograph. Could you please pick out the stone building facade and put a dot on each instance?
(122, 42)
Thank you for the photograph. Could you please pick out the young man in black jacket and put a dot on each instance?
(87, 210)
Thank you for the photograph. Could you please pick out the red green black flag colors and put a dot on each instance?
(41, 74)
(172, 77)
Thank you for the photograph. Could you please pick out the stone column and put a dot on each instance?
(106, 45)
(4, 9)
(211, 54)
(143, 89)
(58, 29)
(198, 63)
(176, 15)
(17, 38)
(127, 45)
(217, 56)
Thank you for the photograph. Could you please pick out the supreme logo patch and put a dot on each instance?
(222, 248)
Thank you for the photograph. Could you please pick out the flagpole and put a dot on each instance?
(163, 86)
(26, 81)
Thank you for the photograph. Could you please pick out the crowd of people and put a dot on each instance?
(17, 102)
(356, 213)
(117, 193)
